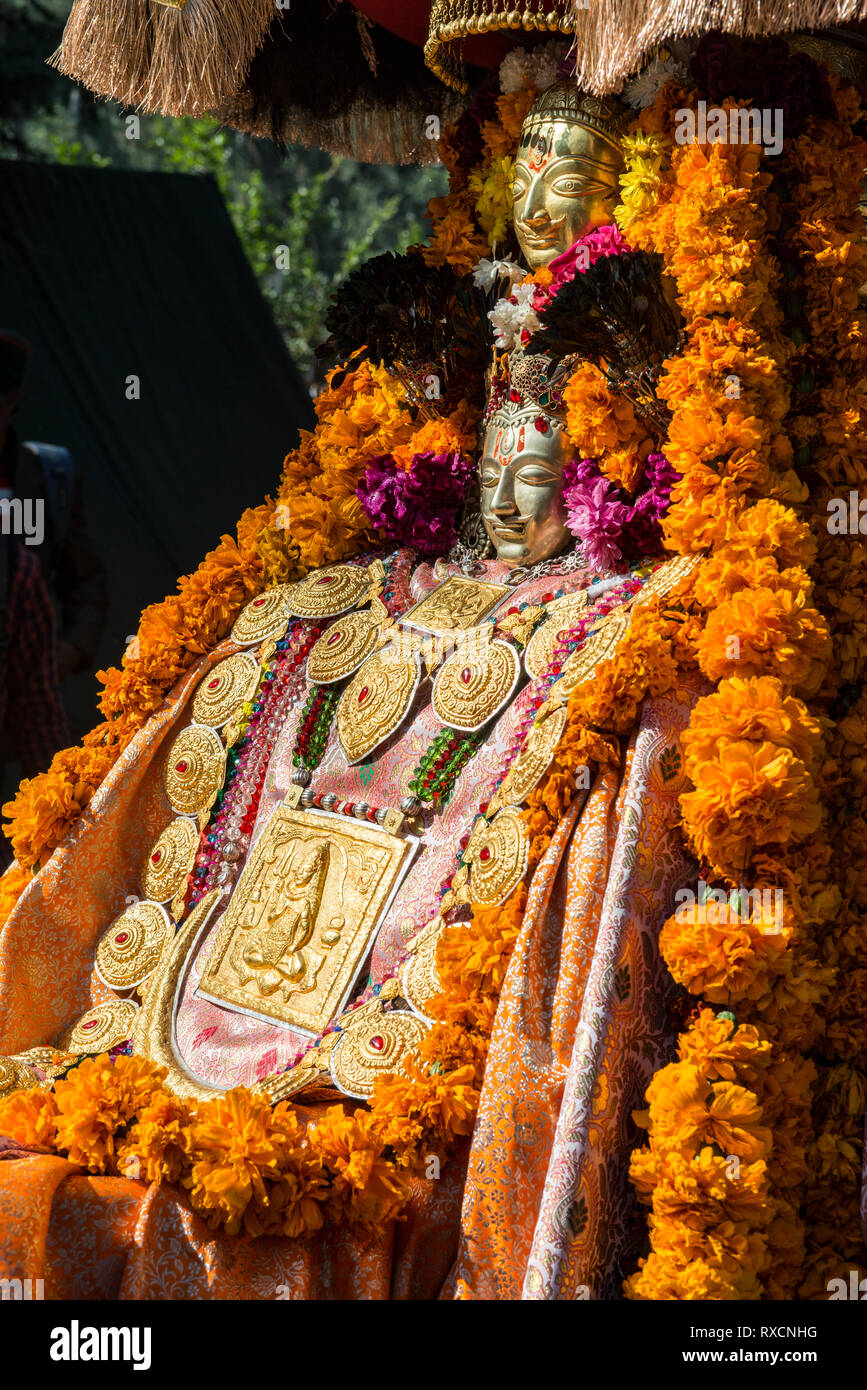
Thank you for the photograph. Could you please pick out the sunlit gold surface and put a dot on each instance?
(455, 605)
(302, 916)
(566, 173)
(521, 477)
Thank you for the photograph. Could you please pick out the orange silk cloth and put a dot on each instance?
(546, 1210)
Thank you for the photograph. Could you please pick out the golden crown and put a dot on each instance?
(564, 102)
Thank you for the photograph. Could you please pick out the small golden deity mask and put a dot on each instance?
(521, 476)
(567, 171)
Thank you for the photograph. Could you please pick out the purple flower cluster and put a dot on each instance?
(418, 506)
(612, 530)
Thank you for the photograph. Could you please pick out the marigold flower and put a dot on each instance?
(29, 1117)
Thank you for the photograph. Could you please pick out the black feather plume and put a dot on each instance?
(615, 312)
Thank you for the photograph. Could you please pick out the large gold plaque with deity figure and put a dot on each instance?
(303, 916)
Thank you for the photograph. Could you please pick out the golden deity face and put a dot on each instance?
(521, 475)
(566, 173)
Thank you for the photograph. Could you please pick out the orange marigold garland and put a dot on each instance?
(756, 756)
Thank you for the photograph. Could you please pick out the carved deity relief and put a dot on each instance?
(302, 917)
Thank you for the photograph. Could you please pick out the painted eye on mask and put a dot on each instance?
(579, 187)
(536, 476)
(489, 478)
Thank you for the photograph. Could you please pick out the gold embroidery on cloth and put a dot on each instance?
(330, 591)
(170, 859)
(561, 615)
(377, 700)
(263, 617)
(302, 917)
(475, 683)
(456, 604)
(531, 763)
(343, 647)
(132, 946)
(194, 770)
(497, 855)
(226, 686)
(101, 1028)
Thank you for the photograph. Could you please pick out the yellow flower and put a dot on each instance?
(366, 1186)
(234, 1145)
(493, 193)
(96, 1100)
(29, 1117)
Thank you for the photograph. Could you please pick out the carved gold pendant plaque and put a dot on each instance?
(226, 686)
(561, 615)
(194, 770)
(132, 946)
(475, 683)
(342, 648)
(302, 917)
(377, 700)
(263, 617)
(101, 1028)
(531, 763)
(497, 854)
(170, 859)
(455, 605)
(329, 591)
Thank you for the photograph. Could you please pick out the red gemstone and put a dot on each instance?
(156, 856)
(181, 766)
(91, 1023)
(541, 424)
(377, 1042)
(335, 636)
(121, 937)
(212, 685)
(257, 602)
(326, 579)
(484, 854)
(466, 675)
(363, 695)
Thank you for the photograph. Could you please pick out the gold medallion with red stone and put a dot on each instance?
(194, 770)
(342, 648)
(377, 700)
(474, 684)
(330, 591)
(101, 1028)
(226, 686)
(497, 855)
(170, 860)
(132, 946)
(264, 617)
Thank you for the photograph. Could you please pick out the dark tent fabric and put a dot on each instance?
(113, 274)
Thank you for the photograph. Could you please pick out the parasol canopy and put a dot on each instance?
(363, 77)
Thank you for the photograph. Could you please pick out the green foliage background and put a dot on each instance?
(328, 213)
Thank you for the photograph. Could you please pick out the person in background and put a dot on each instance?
(32, 717)
(73, 572)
